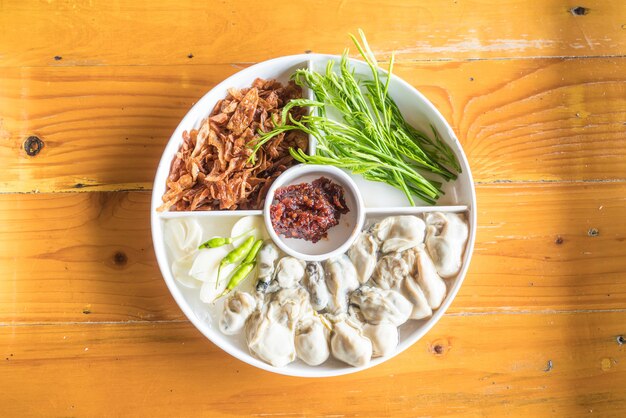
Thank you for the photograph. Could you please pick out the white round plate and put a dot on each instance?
(380, 201)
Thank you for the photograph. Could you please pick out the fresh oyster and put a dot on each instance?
(270, 331)
(289, 272)
(311, 341)
(390, 272)
(341, 279)
(433, 286)
(349, 345)
(315, 282)
(399, 233)
(445, 241)
(237, 309)
(266, 260)
(363, 256)
(384, 338)
(414, 293)
(272, 342)
(379, 305)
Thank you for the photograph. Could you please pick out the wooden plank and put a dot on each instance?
(143, 33)
(80, 257)
(548, 246)
(490, 365)
(67, 254)
(104, 128)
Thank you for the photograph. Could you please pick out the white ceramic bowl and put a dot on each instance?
(341, 236)
(380, 200)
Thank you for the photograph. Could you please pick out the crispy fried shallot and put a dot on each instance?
(211, 170)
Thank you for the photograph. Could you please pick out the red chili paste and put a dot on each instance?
(307, 210)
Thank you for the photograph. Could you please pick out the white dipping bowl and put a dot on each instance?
(341, 236)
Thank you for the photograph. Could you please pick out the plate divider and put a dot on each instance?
(209, 213)
(410, 210)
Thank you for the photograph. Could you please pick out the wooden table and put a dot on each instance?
(536, 92)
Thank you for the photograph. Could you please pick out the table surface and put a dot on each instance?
(536, 92)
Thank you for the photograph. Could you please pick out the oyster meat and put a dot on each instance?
(348, 344)
(384, 338)
(341, 279)
(390, 271)
(237, 309)
(414, 293)
(270, 331)
(433, 286)
(266, 260)
(272, 342)
(379, 305)
(399, 233)
(315, 282)
(289, 272)
(311, 341)
(445, 241)
(363, 256)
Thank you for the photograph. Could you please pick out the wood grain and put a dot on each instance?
(146, 369)
(88, 256)
(548, 246)
(104, 128)
(143, 33)
(85, 257)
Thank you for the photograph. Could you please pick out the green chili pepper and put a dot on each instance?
(215, 242)
(253, 252)
(240, 273)
(221, 241)
(235, 256)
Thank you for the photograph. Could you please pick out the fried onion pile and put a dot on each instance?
(212, 169)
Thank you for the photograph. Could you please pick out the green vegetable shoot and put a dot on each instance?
(359, 127)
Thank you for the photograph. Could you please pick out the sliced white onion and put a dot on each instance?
(209, 292)
(207, 262)
(182, 236)
(248, 225)
(180, 270)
